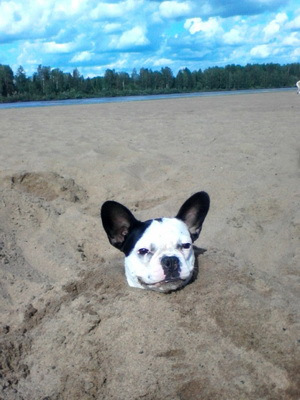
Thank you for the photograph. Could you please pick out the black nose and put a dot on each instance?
(171, 266)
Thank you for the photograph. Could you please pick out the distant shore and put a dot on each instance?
(49, 83)
(125, 98)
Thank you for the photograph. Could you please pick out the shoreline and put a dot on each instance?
(126, 98)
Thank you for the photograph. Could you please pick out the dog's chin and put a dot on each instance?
(165, 286)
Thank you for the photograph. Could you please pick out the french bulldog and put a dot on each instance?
(158, 253)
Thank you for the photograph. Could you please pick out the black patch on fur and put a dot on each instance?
(134, 235)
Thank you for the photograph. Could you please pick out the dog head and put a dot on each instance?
(158, 253)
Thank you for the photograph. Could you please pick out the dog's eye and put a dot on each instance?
(143, 251)
(186, 245)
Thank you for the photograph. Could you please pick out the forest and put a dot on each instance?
(52, 84)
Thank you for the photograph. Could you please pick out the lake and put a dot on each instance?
(122, 99)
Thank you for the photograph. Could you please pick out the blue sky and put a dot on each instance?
(96, 35)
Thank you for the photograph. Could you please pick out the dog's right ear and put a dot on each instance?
(117, 222)
(193, 213)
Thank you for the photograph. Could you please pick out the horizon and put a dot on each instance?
(138, 70)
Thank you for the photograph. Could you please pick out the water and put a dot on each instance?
(123, 99)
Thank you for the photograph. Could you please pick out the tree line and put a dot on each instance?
(51, 83)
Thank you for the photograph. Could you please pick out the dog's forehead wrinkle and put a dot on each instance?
(153, 248)
(165, 232)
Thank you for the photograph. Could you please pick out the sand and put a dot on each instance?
(71, 328)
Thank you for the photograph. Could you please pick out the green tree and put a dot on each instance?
(198, 80)
(7, 86)
(167, 77)
(145, 79)
(97, 83)
(187, 79)
(77, 81)
(123, 80)
(110, 80)
(57, 80)
(134, 79)
(48, 83)
(157, 80)
(179, 81)
(21, 81)
(43, 74)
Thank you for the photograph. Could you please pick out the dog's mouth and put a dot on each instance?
(166, 285)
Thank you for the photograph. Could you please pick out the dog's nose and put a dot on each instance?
(171, 266)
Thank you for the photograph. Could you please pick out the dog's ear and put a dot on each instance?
(193, 213)
(117, 222)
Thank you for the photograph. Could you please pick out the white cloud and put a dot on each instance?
(31, 54)
(174, 9)
(16, 17)
(234, 36)
(275, 25)
(261, 51)
(82, 56)
(104, 10)
(69, 7)
(292, 40)
(33, 17)
(134, 37)
(296, 54)
(8, 13)
(210, 27)
(112, 27)
(294, 24)
(162, 62)
(120, 64)
(115, 10)
(52, 47)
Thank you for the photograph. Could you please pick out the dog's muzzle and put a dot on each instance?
(166, 285)
(171, 267)
(172, 280)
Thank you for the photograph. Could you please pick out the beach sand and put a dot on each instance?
(71, 328)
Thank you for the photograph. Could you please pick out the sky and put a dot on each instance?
(94, 35)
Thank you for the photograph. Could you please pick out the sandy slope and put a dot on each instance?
(70, 326)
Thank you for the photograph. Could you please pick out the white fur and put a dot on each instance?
(298, 87)
(162, 239)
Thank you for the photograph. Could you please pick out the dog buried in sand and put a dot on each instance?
(158, 253)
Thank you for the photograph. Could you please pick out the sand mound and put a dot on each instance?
(48, 186)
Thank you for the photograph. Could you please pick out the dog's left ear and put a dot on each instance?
(193, 213)
(117, 222)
